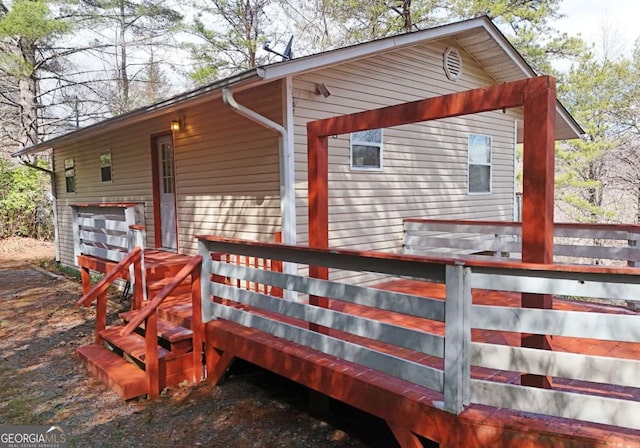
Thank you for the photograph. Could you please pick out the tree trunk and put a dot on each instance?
(638, 204)
(407, 23)
(123, 77)
(28, 103)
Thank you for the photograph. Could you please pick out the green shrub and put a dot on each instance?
(25, 202)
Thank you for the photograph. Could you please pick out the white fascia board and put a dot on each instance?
(341, 55)
(333, 57)
(528, 71)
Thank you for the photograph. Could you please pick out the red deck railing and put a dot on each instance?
(426, 341)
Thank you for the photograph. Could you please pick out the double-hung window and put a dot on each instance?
(479, 164)
(105, 166)
(70, 175)
(366, 150)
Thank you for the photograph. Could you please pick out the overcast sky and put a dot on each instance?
(590, 17)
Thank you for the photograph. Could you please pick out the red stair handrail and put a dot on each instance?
(157, 300)
(106, 281)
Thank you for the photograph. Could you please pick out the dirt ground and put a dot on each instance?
(43, 383)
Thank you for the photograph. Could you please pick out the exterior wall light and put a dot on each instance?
(321, 89)
(176, 125)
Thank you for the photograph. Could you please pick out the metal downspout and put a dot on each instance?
(287, 186)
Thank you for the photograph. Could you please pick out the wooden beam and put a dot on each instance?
(538, 172)
(537, 205)
(318, 163)
(404, 437)
(151, 361)
(538, 92)
(502, 96)
(537, 95)
(218, 363)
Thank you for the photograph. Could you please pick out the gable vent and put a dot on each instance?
(452, 64)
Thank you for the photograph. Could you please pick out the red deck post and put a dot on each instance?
(537, 95)
(101, 316)
(152, 364)
(318, 160)
(537, 209)
(197, 326)
(138, 293)
(86, 279)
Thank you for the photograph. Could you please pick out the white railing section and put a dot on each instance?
(274, 315)
(396, 336)
(108, 231)
(607, 370)
(573, 243)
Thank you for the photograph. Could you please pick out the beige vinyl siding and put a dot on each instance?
(227, 172)
(425, 165)
(131, 176)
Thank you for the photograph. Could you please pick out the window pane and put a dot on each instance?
(372, 136)
(105, 160)
(70, 175)
(479, 149)
(70, 184)
(105, 173)
(366, 156)
(167, 169)
(479, 179)
(105, 167)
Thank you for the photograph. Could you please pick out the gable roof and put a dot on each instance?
(479, 37)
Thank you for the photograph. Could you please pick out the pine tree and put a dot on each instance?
(29, 57)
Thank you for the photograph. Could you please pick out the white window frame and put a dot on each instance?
(353, 140)
(105, 153)
(469, 164)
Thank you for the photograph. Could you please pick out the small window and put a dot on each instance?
(366, 150)
(105, 166)
(479, 164)
(70, 175)
(166, 164)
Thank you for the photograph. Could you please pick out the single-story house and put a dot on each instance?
(230, 158)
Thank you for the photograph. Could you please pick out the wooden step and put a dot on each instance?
(177, 309)
(154, 286)
(178, 338)
(132, 345)
(161, 264)
(124, 378)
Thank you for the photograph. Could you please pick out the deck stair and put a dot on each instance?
(119, 360)
(174, 337)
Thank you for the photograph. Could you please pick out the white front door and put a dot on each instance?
(166, 178)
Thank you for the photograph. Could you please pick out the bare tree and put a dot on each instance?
(29, 55)
(230, 33)
(130, 33)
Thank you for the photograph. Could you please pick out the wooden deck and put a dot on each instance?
(419, 408)
(339, 348)
(409, 408)
(437, 350)
(491, 422)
